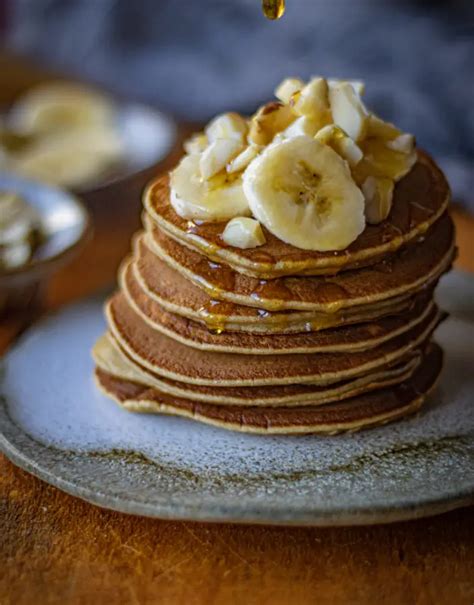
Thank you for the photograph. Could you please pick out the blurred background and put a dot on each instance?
(195, 58)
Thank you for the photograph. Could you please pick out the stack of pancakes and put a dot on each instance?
(276, 339)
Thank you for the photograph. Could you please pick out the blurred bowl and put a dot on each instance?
(148, 137)
(65, 226)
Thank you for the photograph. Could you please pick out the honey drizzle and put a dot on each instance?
(273, 9)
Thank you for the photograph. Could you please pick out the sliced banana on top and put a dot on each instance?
(217, 199)
(60, 106)
(303, 193)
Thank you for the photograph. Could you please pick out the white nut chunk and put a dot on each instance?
(244, 158)
(342, 144)
(378, 193)
(269, 120)
(217, 155)
(196, 144)
(227, 126)
(312, 101)
(301, 126)
(404, 143)
(286, 89)
(357, 85)
(348, 111)
(243, 232)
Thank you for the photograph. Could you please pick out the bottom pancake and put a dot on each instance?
(363, 411)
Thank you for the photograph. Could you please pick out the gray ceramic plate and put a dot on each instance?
(54, 424)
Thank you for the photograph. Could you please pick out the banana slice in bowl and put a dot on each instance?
(302, 192)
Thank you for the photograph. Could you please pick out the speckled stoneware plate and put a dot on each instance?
(55, 424)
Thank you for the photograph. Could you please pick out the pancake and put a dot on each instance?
(171, 359)
(176, 294)
(420, 198)
(407, 272)
(377, 407)
(111, 359)
(345, 339)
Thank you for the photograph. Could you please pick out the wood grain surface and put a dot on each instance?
(56, 549)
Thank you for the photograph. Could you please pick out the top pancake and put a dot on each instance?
(405, 273)
(420, 198)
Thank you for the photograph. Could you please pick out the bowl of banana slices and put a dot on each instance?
(75, 137)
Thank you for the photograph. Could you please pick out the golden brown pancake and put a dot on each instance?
(366, 410)
(171, 359)
(176, 294)
(111, 359)
(344, 339)
(406, 272)
(420, 198)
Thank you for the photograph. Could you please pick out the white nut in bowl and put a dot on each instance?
(243, 232)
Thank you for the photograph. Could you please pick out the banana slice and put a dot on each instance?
(72, 159)
(286, 89)
(243, 232)
(218, 199)
(348, 111)
(303, 192)
(269, 120)
(378, 193)
(60, 106)
(312, 101)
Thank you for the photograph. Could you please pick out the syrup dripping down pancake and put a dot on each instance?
(171, 359)
(176, 294)
(405, 273)
(344, 339)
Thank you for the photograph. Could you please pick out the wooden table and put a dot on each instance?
(56, 549)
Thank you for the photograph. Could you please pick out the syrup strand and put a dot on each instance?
(273, 9)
